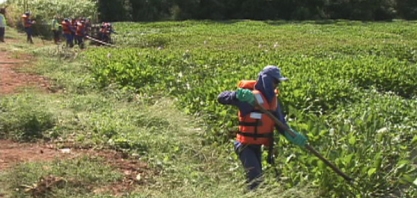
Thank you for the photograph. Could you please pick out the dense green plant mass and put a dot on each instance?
(133, 10)
(351, 89)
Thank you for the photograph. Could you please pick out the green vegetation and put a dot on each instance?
(133, 10)
(337, 72)
(352, 92)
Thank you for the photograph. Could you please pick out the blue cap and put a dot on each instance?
(274, 71)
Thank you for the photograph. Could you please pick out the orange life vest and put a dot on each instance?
(104, 29)
(80, 29)
(26, 21)
(256, 127)
(66, 27)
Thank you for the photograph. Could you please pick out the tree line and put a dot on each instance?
(156, 10)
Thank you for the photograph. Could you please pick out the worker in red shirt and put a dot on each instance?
(27, 22)
(80, 33)
(68, 31)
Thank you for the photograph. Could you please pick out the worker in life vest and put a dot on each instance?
(68, 30)
(74, 25)
(106, 30)
(27, 22)
(256, 129)
(2, 24)
(80, 33)
(56, 29)
(101, 31)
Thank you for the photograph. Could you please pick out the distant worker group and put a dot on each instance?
(73, 30)
(76, 30)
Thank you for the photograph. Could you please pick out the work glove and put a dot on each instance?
(299, 139)
(245, 95)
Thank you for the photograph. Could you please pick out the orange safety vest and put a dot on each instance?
(80, 29)
(104, 29)
(66, 27)
(26, 21)
(256, 127)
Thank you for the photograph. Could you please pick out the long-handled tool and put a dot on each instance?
(98, 41)
(259, 101)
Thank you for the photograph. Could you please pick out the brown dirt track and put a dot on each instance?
(12, 81)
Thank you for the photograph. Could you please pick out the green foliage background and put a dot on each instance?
(369, 10)
(351, 89)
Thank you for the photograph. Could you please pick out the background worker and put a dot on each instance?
(28, 23)
(80, 33)
(68, 31)
(105, 32)
(255, 128)
(55, 29)
(2, 24)
(73, 21)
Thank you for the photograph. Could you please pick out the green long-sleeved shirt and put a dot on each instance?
(54, 24)
(3, 22)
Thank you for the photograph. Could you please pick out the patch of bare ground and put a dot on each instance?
(12, 78)
(136, 173)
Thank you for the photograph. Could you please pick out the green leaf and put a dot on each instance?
(371, 171)
(352, 140)
(407, 178)
(348, 159)
(378, 160)
(414, 140)
(321, 165)
(402, 163)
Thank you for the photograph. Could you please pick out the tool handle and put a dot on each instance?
(308, 147)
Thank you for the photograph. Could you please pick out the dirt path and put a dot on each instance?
(12, 80)
(12, 153)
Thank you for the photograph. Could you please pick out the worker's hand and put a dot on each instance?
(245, 95)
(299, 139)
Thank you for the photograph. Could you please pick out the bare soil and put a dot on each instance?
(12, 80)
(135, 172)
(11, 77)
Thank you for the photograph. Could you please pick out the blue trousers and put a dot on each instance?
(29, 33)
(2, 31)
(251, 158)
(80, 40)
(70, 39)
